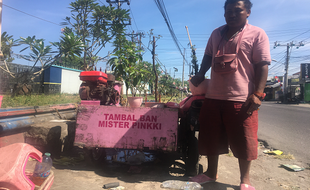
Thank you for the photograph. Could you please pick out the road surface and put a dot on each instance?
(286, 127)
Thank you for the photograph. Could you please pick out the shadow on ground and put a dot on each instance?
(165, 166)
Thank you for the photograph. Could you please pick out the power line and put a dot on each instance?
(161, 6)
(133, 16)
(299, 35)
(31, 15)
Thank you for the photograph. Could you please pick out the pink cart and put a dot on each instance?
(101, 128)
(127, 128)
(105, 126)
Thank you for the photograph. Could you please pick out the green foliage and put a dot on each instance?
(38, 51)
(39, 100)
(68, 47)
(96, 25)
(169, 85)
(74, 62)
(126, 65)
(194, 61)
(7, 43)
(147, 79)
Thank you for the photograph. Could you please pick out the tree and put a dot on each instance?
(148, 79)
(125, 65)
(96, 25)
(43, 56)
(7, 43)
(69, 47)
(194, 61)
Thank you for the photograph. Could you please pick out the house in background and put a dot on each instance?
(58, 79)
(273, 88)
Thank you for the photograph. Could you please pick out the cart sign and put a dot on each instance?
(128, 128)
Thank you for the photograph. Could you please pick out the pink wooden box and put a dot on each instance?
(128, 128)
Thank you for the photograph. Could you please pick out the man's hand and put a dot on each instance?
(197, 79)
(254, 103)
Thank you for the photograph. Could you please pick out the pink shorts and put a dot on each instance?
(226, 124)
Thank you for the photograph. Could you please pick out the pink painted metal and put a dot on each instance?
(186, 103)
(118, 86)
(128, 128)
(13, 160)
(8, 139)
(1, 97)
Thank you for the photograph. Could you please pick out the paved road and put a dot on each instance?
(286, 127)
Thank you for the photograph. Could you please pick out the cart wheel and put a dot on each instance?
(192, 165)
(97, 155)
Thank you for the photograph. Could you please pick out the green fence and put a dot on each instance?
(307, 92)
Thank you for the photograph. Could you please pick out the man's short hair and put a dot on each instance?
(247, 3)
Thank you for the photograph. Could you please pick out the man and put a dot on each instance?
(238, 55)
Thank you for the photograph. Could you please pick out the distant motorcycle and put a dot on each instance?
(293, 100)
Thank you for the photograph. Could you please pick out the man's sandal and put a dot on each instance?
(246, 187)
(202, 179)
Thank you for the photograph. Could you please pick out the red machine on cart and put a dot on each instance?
(98, 85)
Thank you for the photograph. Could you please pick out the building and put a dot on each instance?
(58, 79)
(54, 79)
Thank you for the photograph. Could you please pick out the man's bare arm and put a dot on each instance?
(205, 66)
(261, 74)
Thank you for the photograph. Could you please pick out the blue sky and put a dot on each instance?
(283, 20)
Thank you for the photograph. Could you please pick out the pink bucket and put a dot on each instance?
(201, 89)
(135, 102)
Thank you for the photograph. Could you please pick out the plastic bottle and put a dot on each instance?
(42, 169)
(192, 186)
(175, 184)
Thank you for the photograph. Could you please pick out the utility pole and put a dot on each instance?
(183, 75)
(133, 35)
(154, 67)
(175, 70)
(288, 46)
(194, 54)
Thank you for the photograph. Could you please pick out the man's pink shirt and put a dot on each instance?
(254, 49)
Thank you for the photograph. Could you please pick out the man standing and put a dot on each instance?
(238, 54)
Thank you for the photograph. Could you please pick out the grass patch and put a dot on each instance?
(163, 99)
(39, 100)
(43, 100)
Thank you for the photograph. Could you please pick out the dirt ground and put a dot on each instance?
(266, 173)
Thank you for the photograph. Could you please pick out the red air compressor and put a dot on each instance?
(98, 85)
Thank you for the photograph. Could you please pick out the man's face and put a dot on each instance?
(236, 14)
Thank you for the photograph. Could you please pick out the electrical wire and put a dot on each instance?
(133, 16)
(161, 6)
(299, 35)
(31, 15)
